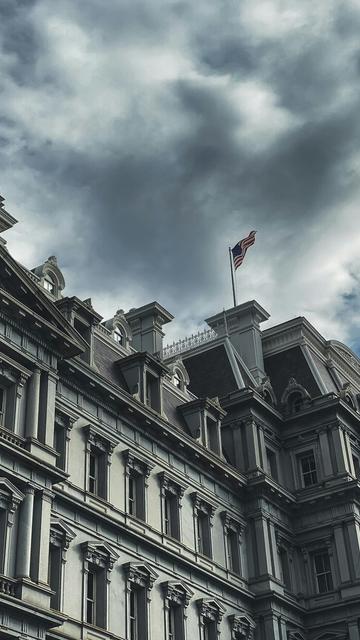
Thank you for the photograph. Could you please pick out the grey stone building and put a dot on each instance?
(206, 490)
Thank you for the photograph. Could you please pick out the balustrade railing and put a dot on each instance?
(11, 437)
(7, 586)
(185, 344)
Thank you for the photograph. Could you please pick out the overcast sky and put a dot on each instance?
(138, 138)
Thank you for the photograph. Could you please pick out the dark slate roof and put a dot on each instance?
(325, 374)
(210, 373)
(105, 359)
(280, 367)
(170, 404)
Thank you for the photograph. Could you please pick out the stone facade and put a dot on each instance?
(208, 490)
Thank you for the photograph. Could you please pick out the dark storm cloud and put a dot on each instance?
(151, 134)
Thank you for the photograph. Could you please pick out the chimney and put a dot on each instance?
(242, 325)
(146, 325)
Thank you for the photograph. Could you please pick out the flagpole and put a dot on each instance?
(232, 276)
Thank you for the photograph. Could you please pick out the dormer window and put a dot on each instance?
(295, 397)
(203, 418)
(119, 336)
(178, 379)
(49, 284)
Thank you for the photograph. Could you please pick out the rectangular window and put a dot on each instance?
(212, 434)
(97, 481)
(285, 568)
(136, 498)
(96, 597)
(271, 463)
(233, 550)
(308, 469)
(203, 534)
(60, 445)
(171, 515)
(138, 614)
(323, 572)
(152, 392)
(210, 631)
(356, 465)
(54, 580)
(91, 597)
(175, 626)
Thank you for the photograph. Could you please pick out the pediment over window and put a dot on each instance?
(60, 533)
(177, 592)
(242, 627)
(140, 574)
(210, 609)
(99, 553)
(10, 496)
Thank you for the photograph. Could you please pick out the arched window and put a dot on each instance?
(267, 397)
(349, 401)
(178, 379)
(49, 284)
(295, 402)
(119, 336)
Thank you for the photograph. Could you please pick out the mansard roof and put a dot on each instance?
(19, 294)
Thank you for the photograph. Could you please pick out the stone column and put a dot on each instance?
(263, 546)
(23, 553)
(354, 539)
(43, 535)
(325, 453)
(49, 410)
(252, 444)
(340, 450)
(32, 412)
(271, 628)
(341, 554)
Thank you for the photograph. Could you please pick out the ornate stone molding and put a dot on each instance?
(140, 574)
(210, 609)
(134, 463)
(202, 505)
(99, 554)
(10, 498)
(242, 627)
(231, 524)
(169, 485)
(266, 391)
(177, 592)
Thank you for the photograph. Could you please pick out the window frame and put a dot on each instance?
(210, 616)
(100, 447)
(61, 535)
(138, 469)
(10, 499)
(233, 540)
(306, 454)
(203, 513)
(176, 600)
(99, 559)
(171, 494)
(140, 578)
(323, 553)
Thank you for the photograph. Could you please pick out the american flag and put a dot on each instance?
(240, 249)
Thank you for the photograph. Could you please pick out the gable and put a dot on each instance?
(22, 300)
